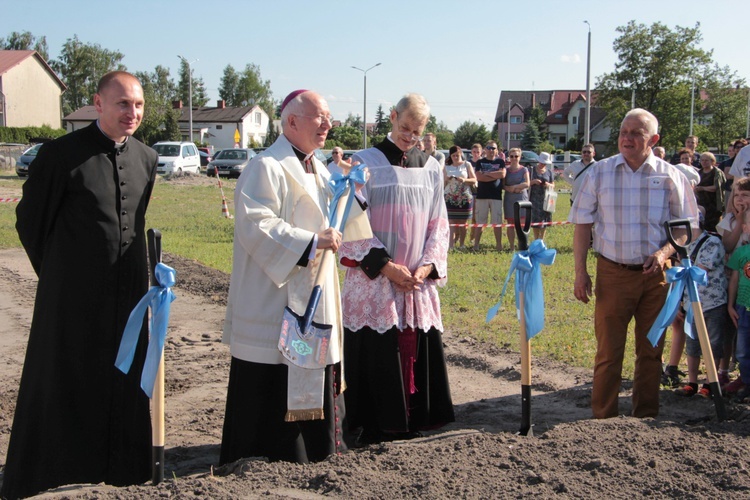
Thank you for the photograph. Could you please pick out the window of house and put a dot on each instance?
(515, 119)
(561, 139)
(558, 115)
(257, 118)
(218, 127)
(575, 120)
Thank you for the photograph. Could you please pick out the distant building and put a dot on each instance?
(565, 116)
(30, 92)
(212, 125)
(217, 125)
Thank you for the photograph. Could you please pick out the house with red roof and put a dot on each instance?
(30, 91)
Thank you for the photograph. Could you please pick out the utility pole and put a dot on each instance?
(364, 111)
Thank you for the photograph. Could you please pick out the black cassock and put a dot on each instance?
(81, 221)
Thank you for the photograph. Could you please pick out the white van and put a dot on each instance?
(177, 158)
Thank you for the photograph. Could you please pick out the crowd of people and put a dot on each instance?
(381, 371)
(722, 193)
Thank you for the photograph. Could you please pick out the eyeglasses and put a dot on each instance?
(587, 152)
(491, 148)
(513, 156)
(335, 153)
(320, 118)
(406, 132)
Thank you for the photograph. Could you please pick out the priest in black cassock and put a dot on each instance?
(81, 220)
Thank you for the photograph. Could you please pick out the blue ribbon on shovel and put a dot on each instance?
(527, 266)
(159, 299)
(689, 276)
(339, 183)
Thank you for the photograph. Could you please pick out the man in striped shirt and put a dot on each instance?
(624, 201)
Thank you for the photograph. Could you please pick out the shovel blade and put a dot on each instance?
(306, 349)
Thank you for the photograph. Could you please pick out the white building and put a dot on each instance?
(30, 92)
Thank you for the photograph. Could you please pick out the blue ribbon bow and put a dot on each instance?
(339, 183)
(678, 277)
(159, 299)
(527, 265)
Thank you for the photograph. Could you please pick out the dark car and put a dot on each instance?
(205, 157)
(23, 162)
(229, 162)
(529, 158)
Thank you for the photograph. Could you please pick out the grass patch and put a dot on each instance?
(192, 225)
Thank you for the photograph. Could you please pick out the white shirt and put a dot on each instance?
(628, 209)
(741, 166)
(571, 174)
(690, 172)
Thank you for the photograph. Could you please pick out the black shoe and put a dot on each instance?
(671, 377)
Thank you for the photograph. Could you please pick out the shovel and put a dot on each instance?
(157, 400)
(700, 323)
(522, 234)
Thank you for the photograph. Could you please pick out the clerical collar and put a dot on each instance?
(303, 157)
(412, 158)
(118, 145)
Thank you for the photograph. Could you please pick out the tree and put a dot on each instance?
(272, 133)
(382, 121)
(346, 137)
(158, 91)
(25, 41)
(531, 137)
(200, 97)
(80, 67)
(469, 132)
(246, 88)
(656, 65)
(726, 105)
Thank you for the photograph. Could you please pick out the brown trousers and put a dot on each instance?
(622, 295)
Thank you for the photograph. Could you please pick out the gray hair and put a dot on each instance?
(415, 106)
(648, 119)
(293, 107)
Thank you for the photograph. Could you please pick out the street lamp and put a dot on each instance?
(364, 111)
(586, 131)
(190, 95)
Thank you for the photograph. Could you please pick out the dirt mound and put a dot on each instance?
(684, 452)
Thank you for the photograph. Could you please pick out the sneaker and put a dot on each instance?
(671, 377)
(733, 386)
(723, 378)
(704, 391)
(688, 391)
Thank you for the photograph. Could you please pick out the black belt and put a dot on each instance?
(627, 267)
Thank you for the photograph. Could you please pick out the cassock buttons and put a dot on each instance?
(123, 183)
(120, 167)
(125, 228)
(124, 197)
(124, 212)
(124, 243)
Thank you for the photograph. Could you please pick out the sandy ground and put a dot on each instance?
(684, 452)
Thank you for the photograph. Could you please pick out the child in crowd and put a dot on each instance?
(739, 311)
(706, 252)
(732, 235)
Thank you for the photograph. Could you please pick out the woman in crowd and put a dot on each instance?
(458, 179)
(516, 186)
(710, 191)
(542, 178)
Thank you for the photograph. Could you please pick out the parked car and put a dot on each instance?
(560, 163)
(347, 154)
(529, 158)
(177, 158)
(205, 158)
(23, 162)
(229, 162)
(720, 157)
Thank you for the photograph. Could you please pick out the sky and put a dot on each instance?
(459, 54)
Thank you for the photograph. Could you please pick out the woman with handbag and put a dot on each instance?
(458, 180)
(542, 193)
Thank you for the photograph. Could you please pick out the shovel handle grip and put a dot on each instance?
(154, 252)
(522, 233)
(669, 226)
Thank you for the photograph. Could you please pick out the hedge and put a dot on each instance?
(25, 135)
